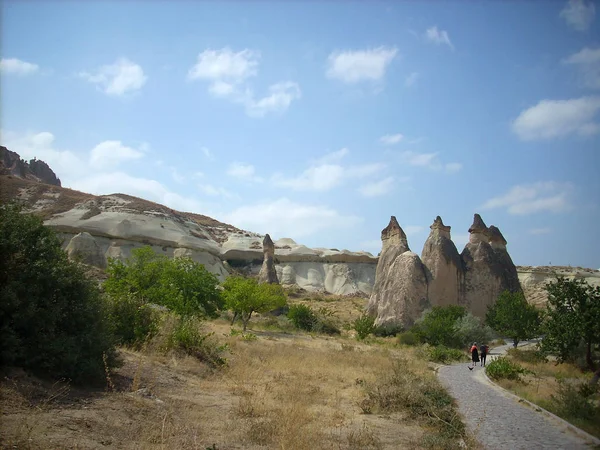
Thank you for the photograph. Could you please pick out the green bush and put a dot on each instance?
(504, 368)
(576, 401)
(527, 356)
(408, 338)
(53, 320)
(388, 329)
(437, 326)
(470, 329)
(187, 336)
(134, 321)
(444, 355)
(302, 316)
(364, 325)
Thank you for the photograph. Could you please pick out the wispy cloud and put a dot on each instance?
(244, 172)
(354, 66)
(439, 37)
(411, 79)
(533, 198)
(579, 14)
(14, 66)
(207, 153)
(109, 154)
(587, 61)
(558, 118)
(429, 161)
(229, 72)
(391, 139)
(117, 79)
(377, 188)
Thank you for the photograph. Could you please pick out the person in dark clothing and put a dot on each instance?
(474, 355)
(483, 351)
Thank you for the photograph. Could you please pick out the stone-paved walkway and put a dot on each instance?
(498, 420)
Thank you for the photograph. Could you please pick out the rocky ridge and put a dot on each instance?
(97, 227)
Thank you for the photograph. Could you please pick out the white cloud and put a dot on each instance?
(280, 97)
(411, 79)
(214, 191)
(117, 79)
(537, 231)
(391, 139)
(429, 160)
(587, 62)
(360, 65)
(364, 171)
(17, 67)
(433, 34)
(242, 171)
(533, 198)
(224, 64)
(112, 153)
(286, 218)
(65, 163)
(413, 229)
(318, 178)
(208, 154)
(176, 175)
(460, 239)
(557, 118)
(453, 167)
(333, 157)
(377, 188)
(579, 14)
(229, 72)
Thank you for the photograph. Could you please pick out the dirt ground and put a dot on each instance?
(278, 390)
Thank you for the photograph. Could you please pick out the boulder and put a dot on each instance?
(268, 273)
(443, 266)
(84, 248)
(400, 291)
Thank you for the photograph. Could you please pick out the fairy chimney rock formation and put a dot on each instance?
(83, 248)
(400, 291)
(506, 269)
(268, 273)
(443, 266)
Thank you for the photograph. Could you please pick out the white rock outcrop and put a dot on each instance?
(84, 248)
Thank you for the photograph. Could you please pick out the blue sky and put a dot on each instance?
(318, 121)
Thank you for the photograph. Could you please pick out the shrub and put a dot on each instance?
(363, 325)
(187, 336)
(388, 329)
(134, 321)
(408, 338)
(437, 325)
(470, 329)
(53, 320)
(421, 396)
(302, 316)
(576, 401)
(504, 368)
(444, 355)
(527, 356)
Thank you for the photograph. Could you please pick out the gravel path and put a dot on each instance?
(498, 420)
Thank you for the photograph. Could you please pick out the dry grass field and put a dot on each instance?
(278, 390)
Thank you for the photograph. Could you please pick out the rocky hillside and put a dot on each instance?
(97, 227)
(34, 170)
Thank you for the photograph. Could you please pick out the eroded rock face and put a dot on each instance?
(400, 291)
(489, 269)
(84, 248)
(443, 266)
(268, 273)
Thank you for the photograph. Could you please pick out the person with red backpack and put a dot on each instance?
(474, 355)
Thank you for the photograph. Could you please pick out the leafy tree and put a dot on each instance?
(245, 296)
(513, 317)
(469, 328)
(52, 318)
(437, 325)
(180, 284)
(364, 326)
(572, 317)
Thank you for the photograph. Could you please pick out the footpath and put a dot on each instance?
(500, 421)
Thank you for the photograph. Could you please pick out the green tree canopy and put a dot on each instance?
(180, 284)
(245, 296)
(437, 326)
(52, 318)
(572, 318)
(513, 317)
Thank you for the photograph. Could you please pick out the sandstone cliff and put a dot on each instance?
(443, 266)
(400, 291)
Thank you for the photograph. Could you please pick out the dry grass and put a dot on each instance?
(286, 392)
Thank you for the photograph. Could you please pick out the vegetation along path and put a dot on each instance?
(498, 419)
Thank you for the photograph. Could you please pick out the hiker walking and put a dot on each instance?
(483, 351)
(474, 355)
